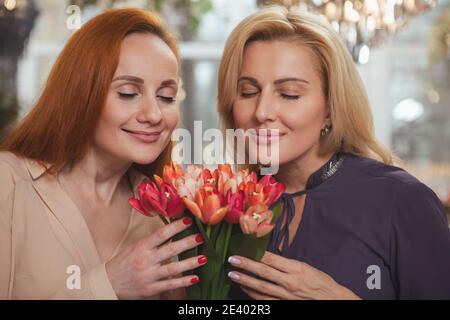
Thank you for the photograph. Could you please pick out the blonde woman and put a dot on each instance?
(354, 226)
(102, 124)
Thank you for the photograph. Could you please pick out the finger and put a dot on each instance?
(175, 268)
(280, 263)
(167, 232)
(256, 295)
(174, 248)
(259, 285)
(171, 284)
(260, 269)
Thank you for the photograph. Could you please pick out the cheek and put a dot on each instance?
(171, 117)
(308, 116)
(114, 114)
(243, 114)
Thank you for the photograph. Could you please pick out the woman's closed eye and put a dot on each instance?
(248, 91)
(167, 99)
(290, 96)
(127, 96)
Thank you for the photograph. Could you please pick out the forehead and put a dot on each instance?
(146, 55)
(278, 59)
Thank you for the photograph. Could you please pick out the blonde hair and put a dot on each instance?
(351, 117)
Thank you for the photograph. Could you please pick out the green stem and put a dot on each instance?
(208, 231)
(227, 241)
(164, 219)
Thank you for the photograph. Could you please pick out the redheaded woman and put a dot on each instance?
(102, 124)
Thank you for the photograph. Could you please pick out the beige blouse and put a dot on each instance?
(44, 239)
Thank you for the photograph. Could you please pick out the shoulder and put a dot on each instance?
(389, 174)
(396, 185)
(12, 167)
(11, 172)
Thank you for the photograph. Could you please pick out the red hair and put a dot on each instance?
(61, 125)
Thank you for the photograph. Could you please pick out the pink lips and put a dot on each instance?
(143, 136)
(266, 136)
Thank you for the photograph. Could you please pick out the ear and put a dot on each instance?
(327, 121)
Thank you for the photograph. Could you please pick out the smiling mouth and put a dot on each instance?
(265, 136)
(144, 136)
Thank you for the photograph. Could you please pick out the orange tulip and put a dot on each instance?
(207, 205)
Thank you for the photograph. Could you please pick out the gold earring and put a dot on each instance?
(325, 131)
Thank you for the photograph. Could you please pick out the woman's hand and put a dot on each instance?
(286, 279)
(140, 271)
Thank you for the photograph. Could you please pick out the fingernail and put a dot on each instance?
(202, 260)
(187, 221)
(195, 280)
(234, 261)
(199, 238)
(233, 275)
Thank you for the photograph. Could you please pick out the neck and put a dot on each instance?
(98, 175)
(295, 174)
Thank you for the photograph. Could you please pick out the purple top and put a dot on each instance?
(374, 229)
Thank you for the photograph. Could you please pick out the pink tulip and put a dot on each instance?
(272, 189)
(235, 206)
(257, 220)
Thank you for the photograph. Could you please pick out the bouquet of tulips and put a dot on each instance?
(234, 212)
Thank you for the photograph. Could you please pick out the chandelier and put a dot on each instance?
(363, 24)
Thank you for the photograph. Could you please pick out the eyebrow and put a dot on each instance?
(165, 83)
(279, 81)
(169, 83)
(129, 78)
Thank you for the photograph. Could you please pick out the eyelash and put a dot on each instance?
(129, 96)
(167, 99)
(284, 96)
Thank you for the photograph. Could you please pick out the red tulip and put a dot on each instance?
(153, 200)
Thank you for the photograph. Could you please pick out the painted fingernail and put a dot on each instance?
(202, 260)
(233, 275)
(199, 238)
(187, 221)
(234, 261)
(195, 280)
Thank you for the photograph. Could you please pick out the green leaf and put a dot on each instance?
(277, 209)
(245, 245)
(264, 241)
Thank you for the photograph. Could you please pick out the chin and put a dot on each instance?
(144, 160)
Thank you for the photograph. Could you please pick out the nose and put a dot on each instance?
(149, 112)
(266, 107)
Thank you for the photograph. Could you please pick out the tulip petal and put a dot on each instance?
(193, 208)
(218, 216)
(158, 180)
(263, 229)
(136, 204)
(211, 206)
(233, 216)
(248, 224)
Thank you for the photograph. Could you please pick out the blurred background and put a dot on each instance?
(401, 49)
